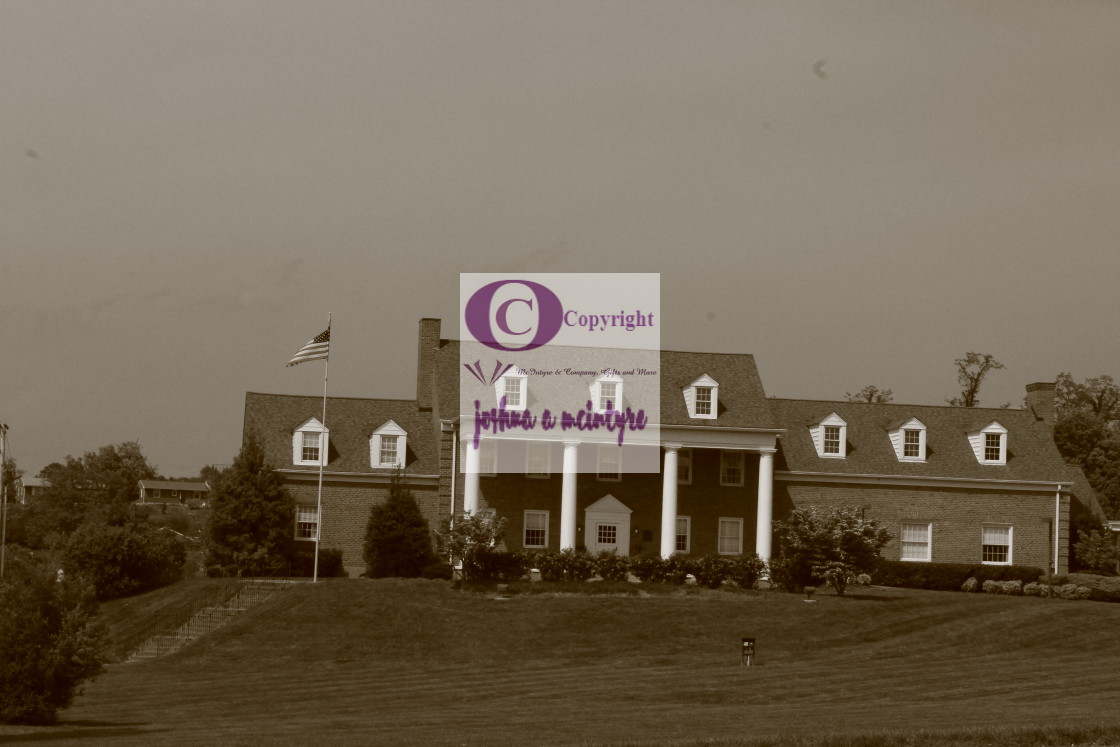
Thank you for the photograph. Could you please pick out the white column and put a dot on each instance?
(568, 497)
(669, 501)
(472, 464)
(764, 527)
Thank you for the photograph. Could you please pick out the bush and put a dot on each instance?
(302, 564)
(50, 639)
(746, 570)
(398, 542)
(710, 571)
(612, 566)
(487, 565)
(1103, 588)
(437, 570)
(566, 565)
(1036, 590)
(467, 534)
(949, 576)
(830, 544)
(123, 560)
(971, 585)
(1073, 591)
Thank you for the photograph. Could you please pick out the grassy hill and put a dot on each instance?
(414, 662)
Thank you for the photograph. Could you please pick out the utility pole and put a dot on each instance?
(3, 494)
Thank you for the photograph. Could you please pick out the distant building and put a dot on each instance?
(172, 491)
(29, 488)
(963, 485)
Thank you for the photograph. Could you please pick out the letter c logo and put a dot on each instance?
(550, 314)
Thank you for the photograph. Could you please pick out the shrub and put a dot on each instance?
(302, 564)
(1036, 590)
(437, 570)
(398, 542)
(488, 565)
(1012, 588)
(468, 534)
(711, 570)
(123, 560)
(50, 639)
(746, 570)
(1096, 550)
(861, 580)
(970, 585)
(612, 566)
(1103, 588)
(949, 576)
(1073, 591)
(566, 565)
(990, 587)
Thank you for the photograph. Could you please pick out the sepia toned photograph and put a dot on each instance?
(598, 373)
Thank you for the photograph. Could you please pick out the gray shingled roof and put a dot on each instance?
(742, 400)
(1031, 453)
(174, 485)
(351, 421)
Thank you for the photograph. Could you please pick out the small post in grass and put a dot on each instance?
(748, 652)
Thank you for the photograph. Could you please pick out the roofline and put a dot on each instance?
(378, 478)
(319, 397)
(900, 404)
(1047, 486)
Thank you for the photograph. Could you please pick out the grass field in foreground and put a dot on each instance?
(414, 662)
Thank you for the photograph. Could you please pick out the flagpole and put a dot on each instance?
(323, 447)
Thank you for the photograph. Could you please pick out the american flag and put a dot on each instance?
(314, 350)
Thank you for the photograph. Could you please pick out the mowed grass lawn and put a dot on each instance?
(416, 662)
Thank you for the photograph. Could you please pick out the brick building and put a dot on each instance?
(965, 485)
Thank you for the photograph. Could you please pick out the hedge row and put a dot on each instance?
(491, 566)
(949, 576)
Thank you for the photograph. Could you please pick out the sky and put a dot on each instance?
(855, 192)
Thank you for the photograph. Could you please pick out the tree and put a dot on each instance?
(122, 560)
(871, 394)
(469, 538)
(971, 370)
(50, 639)
(112, 473)
(1096, 550)
(252, 516)
(1098, 396)
(1085, 440)
(398, 541)
(826, 544)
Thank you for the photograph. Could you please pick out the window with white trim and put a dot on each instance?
(536, 530)
(309, 443)
(995, 544)
(174, 493)
(684, 534)
(684, 466)
(606, 393)
(514, 388)
(307, 522)
(830, 437)
(538, 459)
(701, 398)
(388, 446)
(156, 493)
(731, 468)
(610, 463)
(909, 441)
(730, 536)
(990, 444)
(606, 534)
(915, 540)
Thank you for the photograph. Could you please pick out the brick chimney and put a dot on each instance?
(426, 348)
(1040, 400)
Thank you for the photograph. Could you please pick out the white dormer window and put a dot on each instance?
(909, 441)
(606, 393)
(513, 387)
(387, 446)
(830, 436)
(701, 397)
(309, 443)
(989, 444)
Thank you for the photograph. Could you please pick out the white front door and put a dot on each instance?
(607, 526)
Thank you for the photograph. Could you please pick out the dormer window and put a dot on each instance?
(513, 387)
(830, 436)
(701, 397)
(387, 446)
(989, 444)
(309, 443)
(606, 393)
(909, 441)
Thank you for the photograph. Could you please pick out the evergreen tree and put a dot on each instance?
(252, 519)
(398, 541)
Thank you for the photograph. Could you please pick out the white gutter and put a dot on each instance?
(917, 480)
(1057, 524)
